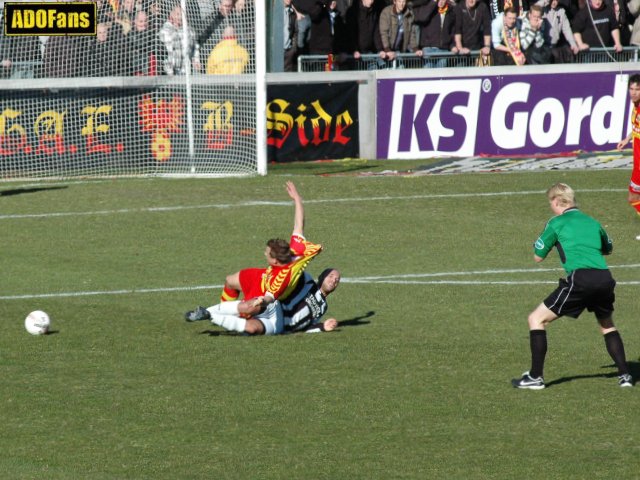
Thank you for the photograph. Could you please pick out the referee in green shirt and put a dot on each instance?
(582, 243)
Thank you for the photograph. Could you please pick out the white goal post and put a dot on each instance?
(166, 87)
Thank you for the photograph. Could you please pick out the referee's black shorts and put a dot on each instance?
(585, 288)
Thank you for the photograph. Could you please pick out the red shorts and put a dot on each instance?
(251, 282)
(634, 183)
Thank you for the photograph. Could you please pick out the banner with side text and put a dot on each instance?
(501, 115)
(312, 121)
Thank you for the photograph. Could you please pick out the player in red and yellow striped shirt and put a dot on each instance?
(259, 313)
(634, 183)
(286, 262)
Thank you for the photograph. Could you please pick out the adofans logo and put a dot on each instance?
(68, 18)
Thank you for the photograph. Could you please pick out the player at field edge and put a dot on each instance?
(261, 287)
(301, 312)
(634, 184)
(581, 243)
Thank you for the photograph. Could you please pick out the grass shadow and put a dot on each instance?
(218, 333)
(356, 321)
(350, 322)
(634, 370)
(20, 191)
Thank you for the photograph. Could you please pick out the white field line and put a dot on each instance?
(110, 292)
(404, 279)
(254, 203)
(471, 272)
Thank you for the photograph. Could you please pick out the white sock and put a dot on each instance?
(229, 322)
(225, 308)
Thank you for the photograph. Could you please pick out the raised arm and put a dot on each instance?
(298, 218)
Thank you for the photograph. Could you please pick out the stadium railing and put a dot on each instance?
(606, 55)
(320, 63)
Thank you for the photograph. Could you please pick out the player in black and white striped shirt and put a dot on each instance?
(304, 308)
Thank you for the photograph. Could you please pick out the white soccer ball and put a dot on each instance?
(37, 323)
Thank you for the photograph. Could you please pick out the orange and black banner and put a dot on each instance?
(51, 18)
(312, 121)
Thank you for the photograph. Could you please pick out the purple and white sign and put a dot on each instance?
(501, 115)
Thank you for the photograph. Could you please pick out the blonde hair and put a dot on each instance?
(564, 193)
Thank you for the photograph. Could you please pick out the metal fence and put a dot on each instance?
(320, 63)
(606, 55)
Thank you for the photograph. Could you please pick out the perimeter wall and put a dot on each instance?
(493, 111)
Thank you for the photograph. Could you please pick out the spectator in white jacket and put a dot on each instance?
(558, 33)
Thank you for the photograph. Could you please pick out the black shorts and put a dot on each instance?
(584, 288)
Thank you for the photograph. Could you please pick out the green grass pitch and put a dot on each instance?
(438, 279)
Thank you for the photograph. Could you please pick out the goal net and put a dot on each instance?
(163, 88)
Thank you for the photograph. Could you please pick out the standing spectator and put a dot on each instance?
(228, 57)
(343, 6)
(634, 10)
(396, 31)
(505, 38)
(290, 37)
(125, 14)
(496, 7)
(532, 39)
(142, 46)
(97, 51)
(304, 31)
(20, 57)
(623, 19)
(104, 53)
(155, 21)
(206, 8)
(61, 57)
(604, 20)
(171, 36)
(104, 11)
(329, 34)
(215, 24)
(304, 7)
(243, 22)
(437, 22)
(473, 27)
(558, 33)
(582, 244)
(155, 14)
(363, 19)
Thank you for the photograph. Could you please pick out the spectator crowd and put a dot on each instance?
(141, 37)
(501, 32)
(155, 37)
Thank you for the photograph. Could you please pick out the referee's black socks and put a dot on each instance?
(613, 341)
(538, 342)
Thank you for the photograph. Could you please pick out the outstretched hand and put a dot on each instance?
(293, 191)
